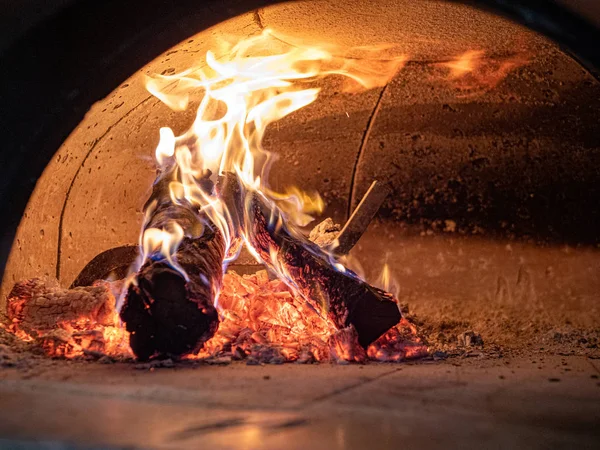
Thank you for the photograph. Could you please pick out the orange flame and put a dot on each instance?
(260, 80)
(387, 281)
(476, 72)
(464, 64)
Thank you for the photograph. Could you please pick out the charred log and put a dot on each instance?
(166, 312)
(333, 290)
(113, 263)
(38, 306)
(63, 321)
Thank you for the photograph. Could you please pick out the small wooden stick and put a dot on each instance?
(360, 219)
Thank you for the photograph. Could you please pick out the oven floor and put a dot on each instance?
(526, 402)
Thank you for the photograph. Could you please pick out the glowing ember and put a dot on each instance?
(262, 321)
(67, 322)
(266, 321)
(260, 317)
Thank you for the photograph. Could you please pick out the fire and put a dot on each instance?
(255, 82)
(474, 71)
(387, 281)
(465, 63)
(267, 321)
(260, 80)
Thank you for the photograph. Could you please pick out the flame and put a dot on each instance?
(242, 89)
(476, 72)
(256, 82)
(387, 281)
(260, 80)
(165, 241)
(465, 63)
(385, 277)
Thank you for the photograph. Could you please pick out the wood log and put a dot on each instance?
(37, 306)
(113, 263)
(167, 315)
(64, 322)
(360, 219)
(337, 292)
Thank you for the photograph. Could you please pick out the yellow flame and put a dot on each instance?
(260, 80)
(385, 277)
(165, 241)
(465, 63)
(478, 72)
(387, 282)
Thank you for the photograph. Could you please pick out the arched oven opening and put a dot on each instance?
(455, 154)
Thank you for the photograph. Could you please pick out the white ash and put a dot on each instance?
(325, 233)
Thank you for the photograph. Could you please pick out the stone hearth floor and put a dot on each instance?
(524, 402)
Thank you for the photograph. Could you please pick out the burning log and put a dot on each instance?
(38, 306)
(333, 290)
(169, 310)
(66, 322)
(339, 293)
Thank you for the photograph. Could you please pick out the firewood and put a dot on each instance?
(167, 315)
(64, 322)
(38, 306)
(360, 219)
(113, 263)
(333, 290)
